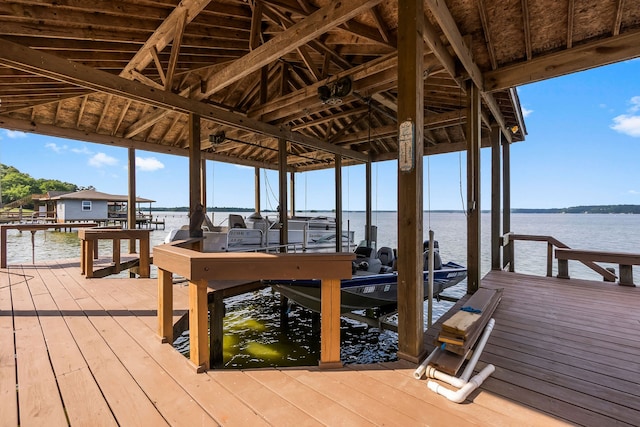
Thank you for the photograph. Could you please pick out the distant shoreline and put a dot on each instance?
(595, 209)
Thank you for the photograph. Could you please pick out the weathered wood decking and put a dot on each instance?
(86, 353)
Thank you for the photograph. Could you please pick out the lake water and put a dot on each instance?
(252, 333)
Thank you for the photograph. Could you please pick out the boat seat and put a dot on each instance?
(236, 221)
(385, 255)
(437, 261)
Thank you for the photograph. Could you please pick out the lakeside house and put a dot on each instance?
(86, 205)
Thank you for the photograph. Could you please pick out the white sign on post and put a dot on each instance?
(406, 145)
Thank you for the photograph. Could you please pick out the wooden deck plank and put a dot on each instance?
(423, 409)
(174, 405)
(561, 357)
(275, 409)
(567, 379)
(127, 400)
(39, 398)
(328, 383)
(488, 408)
(8, 395)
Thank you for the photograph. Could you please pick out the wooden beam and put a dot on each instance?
(473, 189)
(432, 38)
(330, 16)
(175, 49)
(282, 194)
(526, 26)
(187, 10)
(17, 56)
(452, 33)
(114, 141)
(195, 162)
(496, 173)
(410, 185)
(131, 198)
(507, 255)
(580, 58)
(338, 194)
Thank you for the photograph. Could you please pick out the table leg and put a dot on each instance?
(198, 331)
(165, 305)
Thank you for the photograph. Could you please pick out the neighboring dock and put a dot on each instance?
(87, 353)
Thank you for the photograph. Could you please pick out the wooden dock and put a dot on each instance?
(76, 351)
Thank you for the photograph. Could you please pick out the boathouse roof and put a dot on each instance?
(92, 195)
(320, 74)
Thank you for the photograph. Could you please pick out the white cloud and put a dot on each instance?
(526, 112)
(13, 134)
(634, 192)
(629, 124)
(99, 160)
(82, 150)
(148, 164)
(55, 147)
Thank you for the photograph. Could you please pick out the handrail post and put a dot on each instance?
(549, 259)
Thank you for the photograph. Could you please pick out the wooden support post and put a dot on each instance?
(165, 306)
(473, 188)
(496, 173)
(626, 275)
(3, 247)
(368, 203)
(203, 184)
(198, 331)
(195, 163)
(410, 191)
(330, 324)
(116, 253)
(131, 200)
(256, 194)
(282, 196)
(507, 252)
(563, 269)
(216, 331)
(144, 267)
(549, 259)
(338, 184)
(292, 193)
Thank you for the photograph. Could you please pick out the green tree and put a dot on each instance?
(16, 185)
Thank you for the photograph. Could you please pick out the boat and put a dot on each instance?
(374, 283)
(262, 233)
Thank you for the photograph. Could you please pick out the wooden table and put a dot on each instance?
(33, 228)
(200, 267)
(89, 239)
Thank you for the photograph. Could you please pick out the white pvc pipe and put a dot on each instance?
(460, 395)
(417, 374)
(478, 351)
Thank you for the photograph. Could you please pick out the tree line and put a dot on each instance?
(16, 185)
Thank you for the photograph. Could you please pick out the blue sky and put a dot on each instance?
(582, 148)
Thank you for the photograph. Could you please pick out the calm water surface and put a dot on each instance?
(253, 336)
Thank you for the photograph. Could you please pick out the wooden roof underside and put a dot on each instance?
(127, 73)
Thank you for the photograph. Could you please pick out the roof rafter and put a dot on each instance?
(299, 34)
(580, 58)
(44, 64)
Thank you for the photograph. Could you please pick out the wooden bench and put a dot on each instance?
(202, 269)
(624, 259)
(89, 247)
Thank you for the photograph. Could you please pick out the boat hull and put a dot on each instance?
(366, 291)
